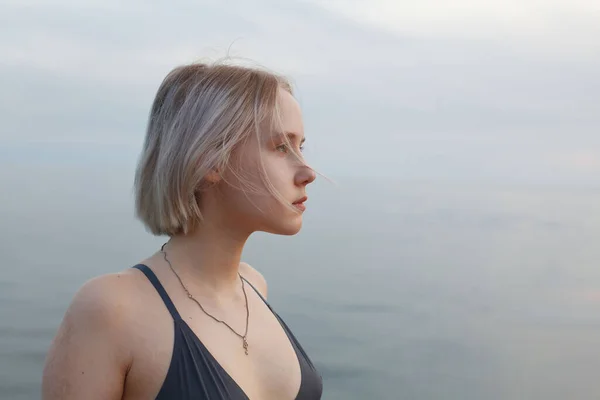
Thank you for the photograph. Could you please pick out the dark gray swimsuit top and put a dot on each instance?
(195, 374)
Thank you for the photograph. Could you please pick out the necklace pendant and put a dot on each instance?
(245, 345)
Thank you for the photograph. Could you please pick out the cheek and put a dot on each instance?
(280, 173)
(245, 175)
(244, 185)
(244, 169)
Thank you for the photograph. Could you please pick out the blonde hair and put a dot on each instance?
(200, 114)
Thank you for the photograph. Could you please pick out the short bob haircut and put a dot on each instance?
(200, 115)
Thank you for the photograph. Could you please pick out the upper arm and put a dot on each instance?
(255, 278)
(89, 357)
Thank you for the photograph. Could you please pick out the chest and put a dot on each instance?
(271, 370)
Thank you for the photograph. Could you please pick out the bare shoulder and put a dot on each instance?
(104, 299)
(254, 277)
(92, 342)
(101, 305)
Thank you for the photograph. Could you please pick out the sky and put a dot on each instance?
(475, 90)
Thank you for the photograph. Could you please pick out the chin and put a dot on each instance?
(291, 231)
(289, 228)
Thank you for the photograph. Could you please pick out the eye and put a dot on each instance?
(282, 148)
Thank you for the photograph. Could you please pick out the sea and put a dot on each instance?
(396, 288)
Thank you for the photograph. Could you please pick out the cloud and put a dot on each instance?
(578, 160)
(393, 88)
(134, 42)
(534, 21)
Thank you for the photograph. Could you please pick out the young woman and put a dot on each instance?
(221, 160)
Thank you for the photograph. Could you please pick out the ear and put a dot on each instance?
(213, 176)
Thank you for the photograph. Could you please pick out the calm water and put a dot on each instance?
(397, 290)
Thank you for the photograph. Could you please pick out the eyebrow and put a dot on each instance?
(291, 135)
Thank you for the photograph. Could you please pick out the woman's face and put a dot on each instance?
(288, 174)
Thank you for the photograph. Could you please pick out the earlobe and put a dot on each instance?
(213, 176)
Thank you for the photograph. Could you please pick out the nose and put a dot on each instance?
(305, 176)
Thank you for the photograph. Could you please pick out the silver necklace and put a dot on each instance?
(189, 295)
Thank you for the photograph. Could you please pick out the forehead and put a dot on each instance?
(290, 114)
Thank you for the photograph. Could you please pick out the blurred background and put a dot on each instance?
(457, 254)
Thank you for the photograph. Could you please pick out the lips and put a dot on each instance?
(299, 204)
(300, 201)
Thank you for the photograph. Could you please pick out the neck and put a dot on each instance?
(208, 258)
